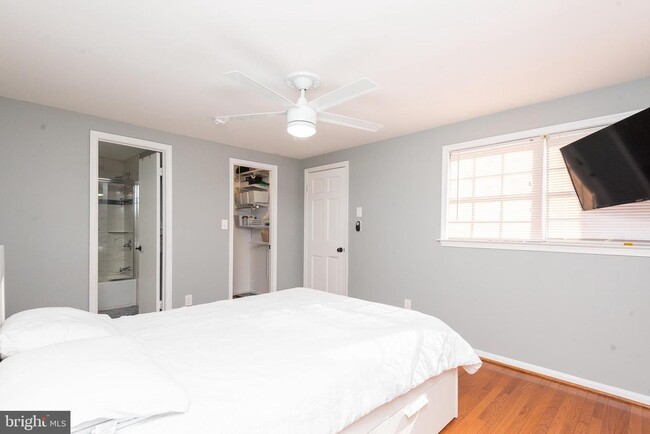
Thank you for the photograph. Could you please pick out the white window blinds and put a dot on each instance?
(494, 192)
(521, 191)
(566, 219)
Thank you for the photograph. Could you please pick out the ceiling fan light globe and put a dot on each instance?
(301, 129)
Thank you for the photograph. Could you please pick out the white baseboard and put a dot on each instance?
(604, 388)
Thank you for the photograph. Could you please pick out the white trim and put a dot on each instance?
(588, 248)
(346, 166)
(273, 227)
(569, 247)
(93, 245)
(551, 129)
(600, 387)
(444, 190)
(166, 150)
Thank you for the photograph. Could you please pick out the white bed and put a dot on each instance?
(295, 361)
(304, 361)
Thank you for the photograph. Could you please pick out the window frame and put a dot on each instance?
(587, 247)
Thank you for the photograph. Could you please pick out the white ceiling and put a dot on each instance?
(160, 64)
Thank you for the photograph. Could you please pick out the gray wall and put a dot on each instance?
(585, 315)
(44, 188)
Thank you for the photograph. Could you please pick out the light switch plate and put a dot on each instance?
(407, 303)
(359, 212)
(224, 224)
(188, 300)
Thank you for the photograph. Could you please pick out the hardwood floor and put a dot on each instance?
(501, 400)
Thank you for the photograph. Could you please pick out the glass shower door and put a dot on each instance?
(116, 229)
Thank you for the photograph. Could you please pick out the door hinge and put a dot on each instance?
(160, 171)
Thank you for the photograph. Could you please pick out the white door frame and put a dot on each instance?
(166, 151)
(346, 166)
(273, 215)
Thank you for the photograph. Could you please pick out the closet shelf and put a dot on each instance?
(251, 227)
(254, 187)
(252, 205)
(260, 243)
(253, 172)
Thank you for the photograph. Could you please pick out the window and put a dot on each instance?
(515, 192)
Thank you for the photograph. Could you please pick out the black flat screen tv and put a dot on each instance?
(612, 166)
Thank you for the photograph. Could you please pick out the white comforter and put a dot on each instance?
(296, 361)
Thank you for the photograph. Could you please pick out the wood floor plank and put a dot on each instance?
(537, 412)
(586, 413)
(502, 400)
(555, 426)
(645, 425)
(516, 399)
(551, 410)
(525, 409)
(636, 420)
(598, 416)
(566, 419)
(497, 407)
(617, 417)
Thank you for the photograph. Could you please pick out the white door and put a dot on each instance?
(326, 234)
(149, 233)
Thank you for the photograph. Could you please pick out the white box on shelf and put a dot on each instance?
(258, 196)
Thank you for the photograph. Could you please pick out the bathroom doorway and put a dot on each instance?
(129, 226)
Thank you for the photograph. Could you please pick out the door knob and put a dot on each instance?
(139, 248)
(340, 250)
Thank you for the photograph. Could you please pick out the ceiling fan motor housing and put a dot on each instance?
(301, 114)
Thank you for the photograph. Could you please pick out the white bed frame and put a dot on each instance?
(426, 409)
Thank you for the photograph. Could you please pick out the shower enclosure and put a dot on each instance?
(117, 200)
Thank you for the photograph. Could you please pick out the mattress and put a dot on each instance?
(295, 361)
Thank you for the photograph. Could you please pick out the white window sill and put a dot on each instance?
(585, 248)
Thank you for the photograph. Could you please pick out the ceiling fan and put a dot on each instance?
(303, 115)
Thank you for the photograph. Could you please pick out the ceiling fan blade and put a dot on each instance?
(259, 87)
(342, 94)
(220, 120)
(347, 121)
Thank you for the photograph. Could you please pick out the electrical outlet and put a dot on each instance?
(407, 303)
(224, 224)
(188, 300)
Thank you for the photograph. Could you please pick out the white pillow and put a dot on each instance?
(95, 379)
(36, 328)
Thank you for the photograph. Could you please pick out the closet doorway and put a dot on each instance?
(130, 225)
(253, 228)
